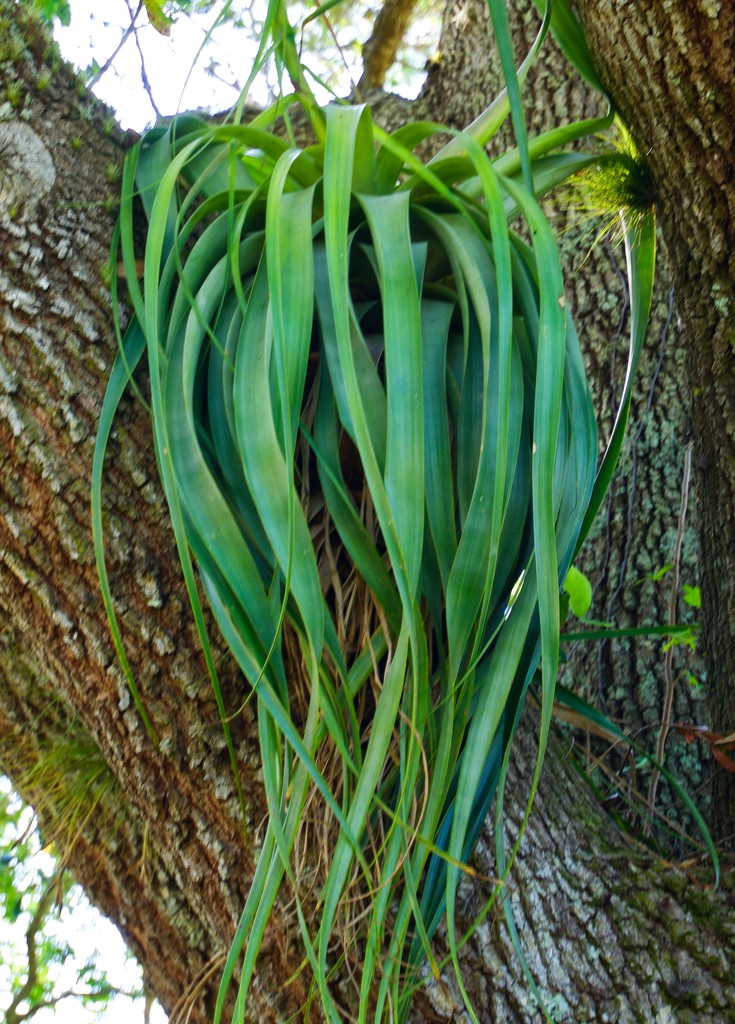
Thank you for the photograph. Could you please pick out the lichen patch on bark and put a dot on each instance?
(27, 171)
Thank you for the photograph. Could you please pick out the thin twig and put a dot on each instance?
(632, 489)
(669, 656)
(125, 36)
(143, 73)
(338, 47)
(13, 1013)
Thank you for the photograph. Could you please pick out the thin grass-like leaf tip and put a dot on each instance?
(376, 438)
(619, 184)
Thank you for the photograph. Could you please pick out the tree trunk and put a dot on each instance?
(636, 531)
(610, 934)
(164, 851)
(669, 70)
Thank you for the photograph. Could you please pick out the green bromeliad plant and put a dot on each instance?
(377, 443)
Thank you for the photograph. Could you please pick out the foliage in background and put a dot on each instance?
(377, 444)
(133, 35)
(50, 9)
(41, 914)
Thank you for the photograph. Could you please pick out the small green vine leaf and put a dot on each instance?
(158, 17)
(692, 596)
(49, 9)
(659, 574)
(579, 589)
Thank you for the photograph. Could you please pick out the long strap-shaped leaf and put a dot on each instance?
(447, 359)
(125, 363)
(387, 217)
(640, 252)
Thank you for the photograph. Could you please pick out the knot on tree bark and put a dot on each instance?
(27, 171)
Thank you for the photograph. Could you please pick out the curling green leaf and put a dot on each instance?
(377, 443)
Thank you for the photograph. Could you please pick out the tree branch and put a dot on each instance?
(388, 33)
(143, 72)
(12, 1016)
(111, 59)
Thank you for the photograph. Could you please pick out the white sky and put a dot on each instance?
(168, 61)
(93, 939)
(181, 78)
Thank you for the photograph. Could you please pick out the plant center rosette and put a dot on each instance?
(377, 442)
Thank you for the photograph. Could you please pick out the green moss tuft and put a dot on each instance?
(69, 783)
(620, 183)
(14, 94)
(105, 273)
(16, 46)
(113, 172)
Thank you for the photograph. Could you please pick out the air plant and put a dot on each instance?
(378, 447)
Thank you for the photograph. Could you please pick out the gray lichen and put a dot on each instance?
(27, 171)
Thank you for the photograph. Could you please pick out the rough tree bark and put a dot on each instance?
(388, 33)
(669, 70)
(635, 534)
(165, 854)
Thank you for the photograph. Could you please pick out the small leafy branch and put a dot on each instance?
(34, 886)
